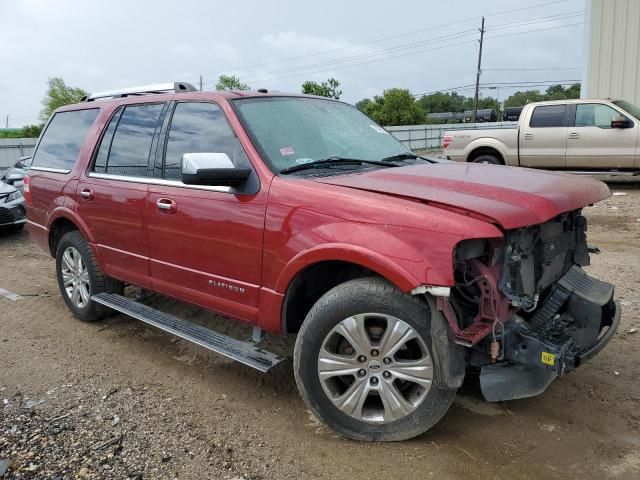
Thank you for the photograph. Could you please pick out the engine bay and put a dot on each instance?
(526, 304)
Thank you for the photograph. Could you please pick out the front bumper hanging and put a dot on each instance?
(563, 333)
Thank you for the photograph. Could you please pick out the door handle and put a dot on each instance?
(574, 135)
(166, 205)
(87, 194)
(528, 136)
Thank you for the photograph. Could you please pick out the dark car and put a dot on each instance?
(12, 209)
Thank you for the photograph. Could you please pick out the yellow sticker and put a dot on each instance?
(548, 358)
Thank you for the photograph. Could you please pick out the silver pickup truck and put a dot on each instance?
(578, 135)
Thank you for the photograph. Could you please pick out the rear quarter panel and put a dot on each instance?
(52, 194)
(464, 142)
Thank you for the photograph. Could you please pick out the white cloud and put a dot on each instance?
(301, 42)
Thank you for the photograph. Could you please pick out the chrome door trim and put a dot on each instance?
(51, 170)
(157, 181)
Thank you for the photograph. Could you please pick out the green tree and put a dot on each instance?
(558, 92)
(453, 102)
(442, 102)
(396, 106)
(553, 92)
(520, 99)
(59, 94)
(230, 82)
(483, 103)
(31, 131)
(364, 104)
(574, 91)
(324, 89)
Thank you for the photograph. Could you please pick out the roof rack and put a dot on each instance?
(176, 87)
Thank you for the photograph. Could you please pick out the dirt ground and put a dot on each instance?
(115, 399)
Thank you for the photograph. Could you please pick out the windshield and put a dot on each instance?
(292, 131)
(628, 107)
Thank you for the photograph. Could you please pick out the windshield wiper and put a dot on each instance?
(402, 156)
(334, 160)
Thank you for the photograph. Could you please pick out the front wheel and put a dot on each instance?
(363, 363)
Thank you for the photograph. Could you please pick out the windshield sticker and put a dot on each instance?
(379, 129)
(284, 151)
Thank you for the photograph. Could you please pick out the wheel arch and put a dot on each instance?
(311, 274)
(62, 221)
(486, 149)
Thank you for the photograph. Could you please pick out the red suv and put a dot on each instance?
(298, 214)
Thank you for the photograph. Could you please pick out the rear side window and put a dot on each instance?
(126, 144)
(548, 116)
(63, 139)
(199, 128)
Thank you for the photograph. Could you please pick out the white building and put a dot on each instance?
(612, 50)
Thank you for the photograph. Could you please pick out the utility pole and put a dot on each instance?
(475, 99)
(200, 82)
(6, 123)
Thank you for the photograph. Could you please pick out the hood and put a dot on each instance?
(510, 197)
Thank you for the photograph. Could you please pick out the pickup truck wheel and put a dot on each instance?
(488, 158)
(363, 363)
(79, 277)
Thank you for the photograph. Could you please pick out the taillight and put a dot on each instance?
(446, 141)
(26, 190)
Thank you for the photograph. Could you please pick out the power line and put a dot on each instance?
(537, 30)
(407, 46)
(391, 37)
(451, 36)
(333, 63)
(528, 69)
(519, 84)
(529, 21)
(404, 54)
(367, 62)
(534, 82)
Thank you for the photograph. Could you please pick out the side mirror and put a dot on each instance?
(212, 169)
(15, 179)
(621, 122)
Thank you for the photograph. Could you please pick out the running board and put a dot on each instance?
(243, 352)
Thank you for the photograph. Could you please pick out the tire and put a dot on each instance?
(96, 282)
(376, 304)
(488, 158)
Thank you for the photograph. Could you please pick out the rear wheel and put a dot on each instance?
(79, 277)
(488, 158)
(364, 366)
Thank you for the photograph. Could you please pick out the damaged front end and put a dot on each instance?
(526, 309)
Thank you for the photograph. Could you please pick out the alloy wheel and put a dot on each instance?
(375, 367)
(75, 277)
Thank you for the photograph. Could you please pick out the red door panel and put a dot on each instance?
(113, 210)
(206, 247)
